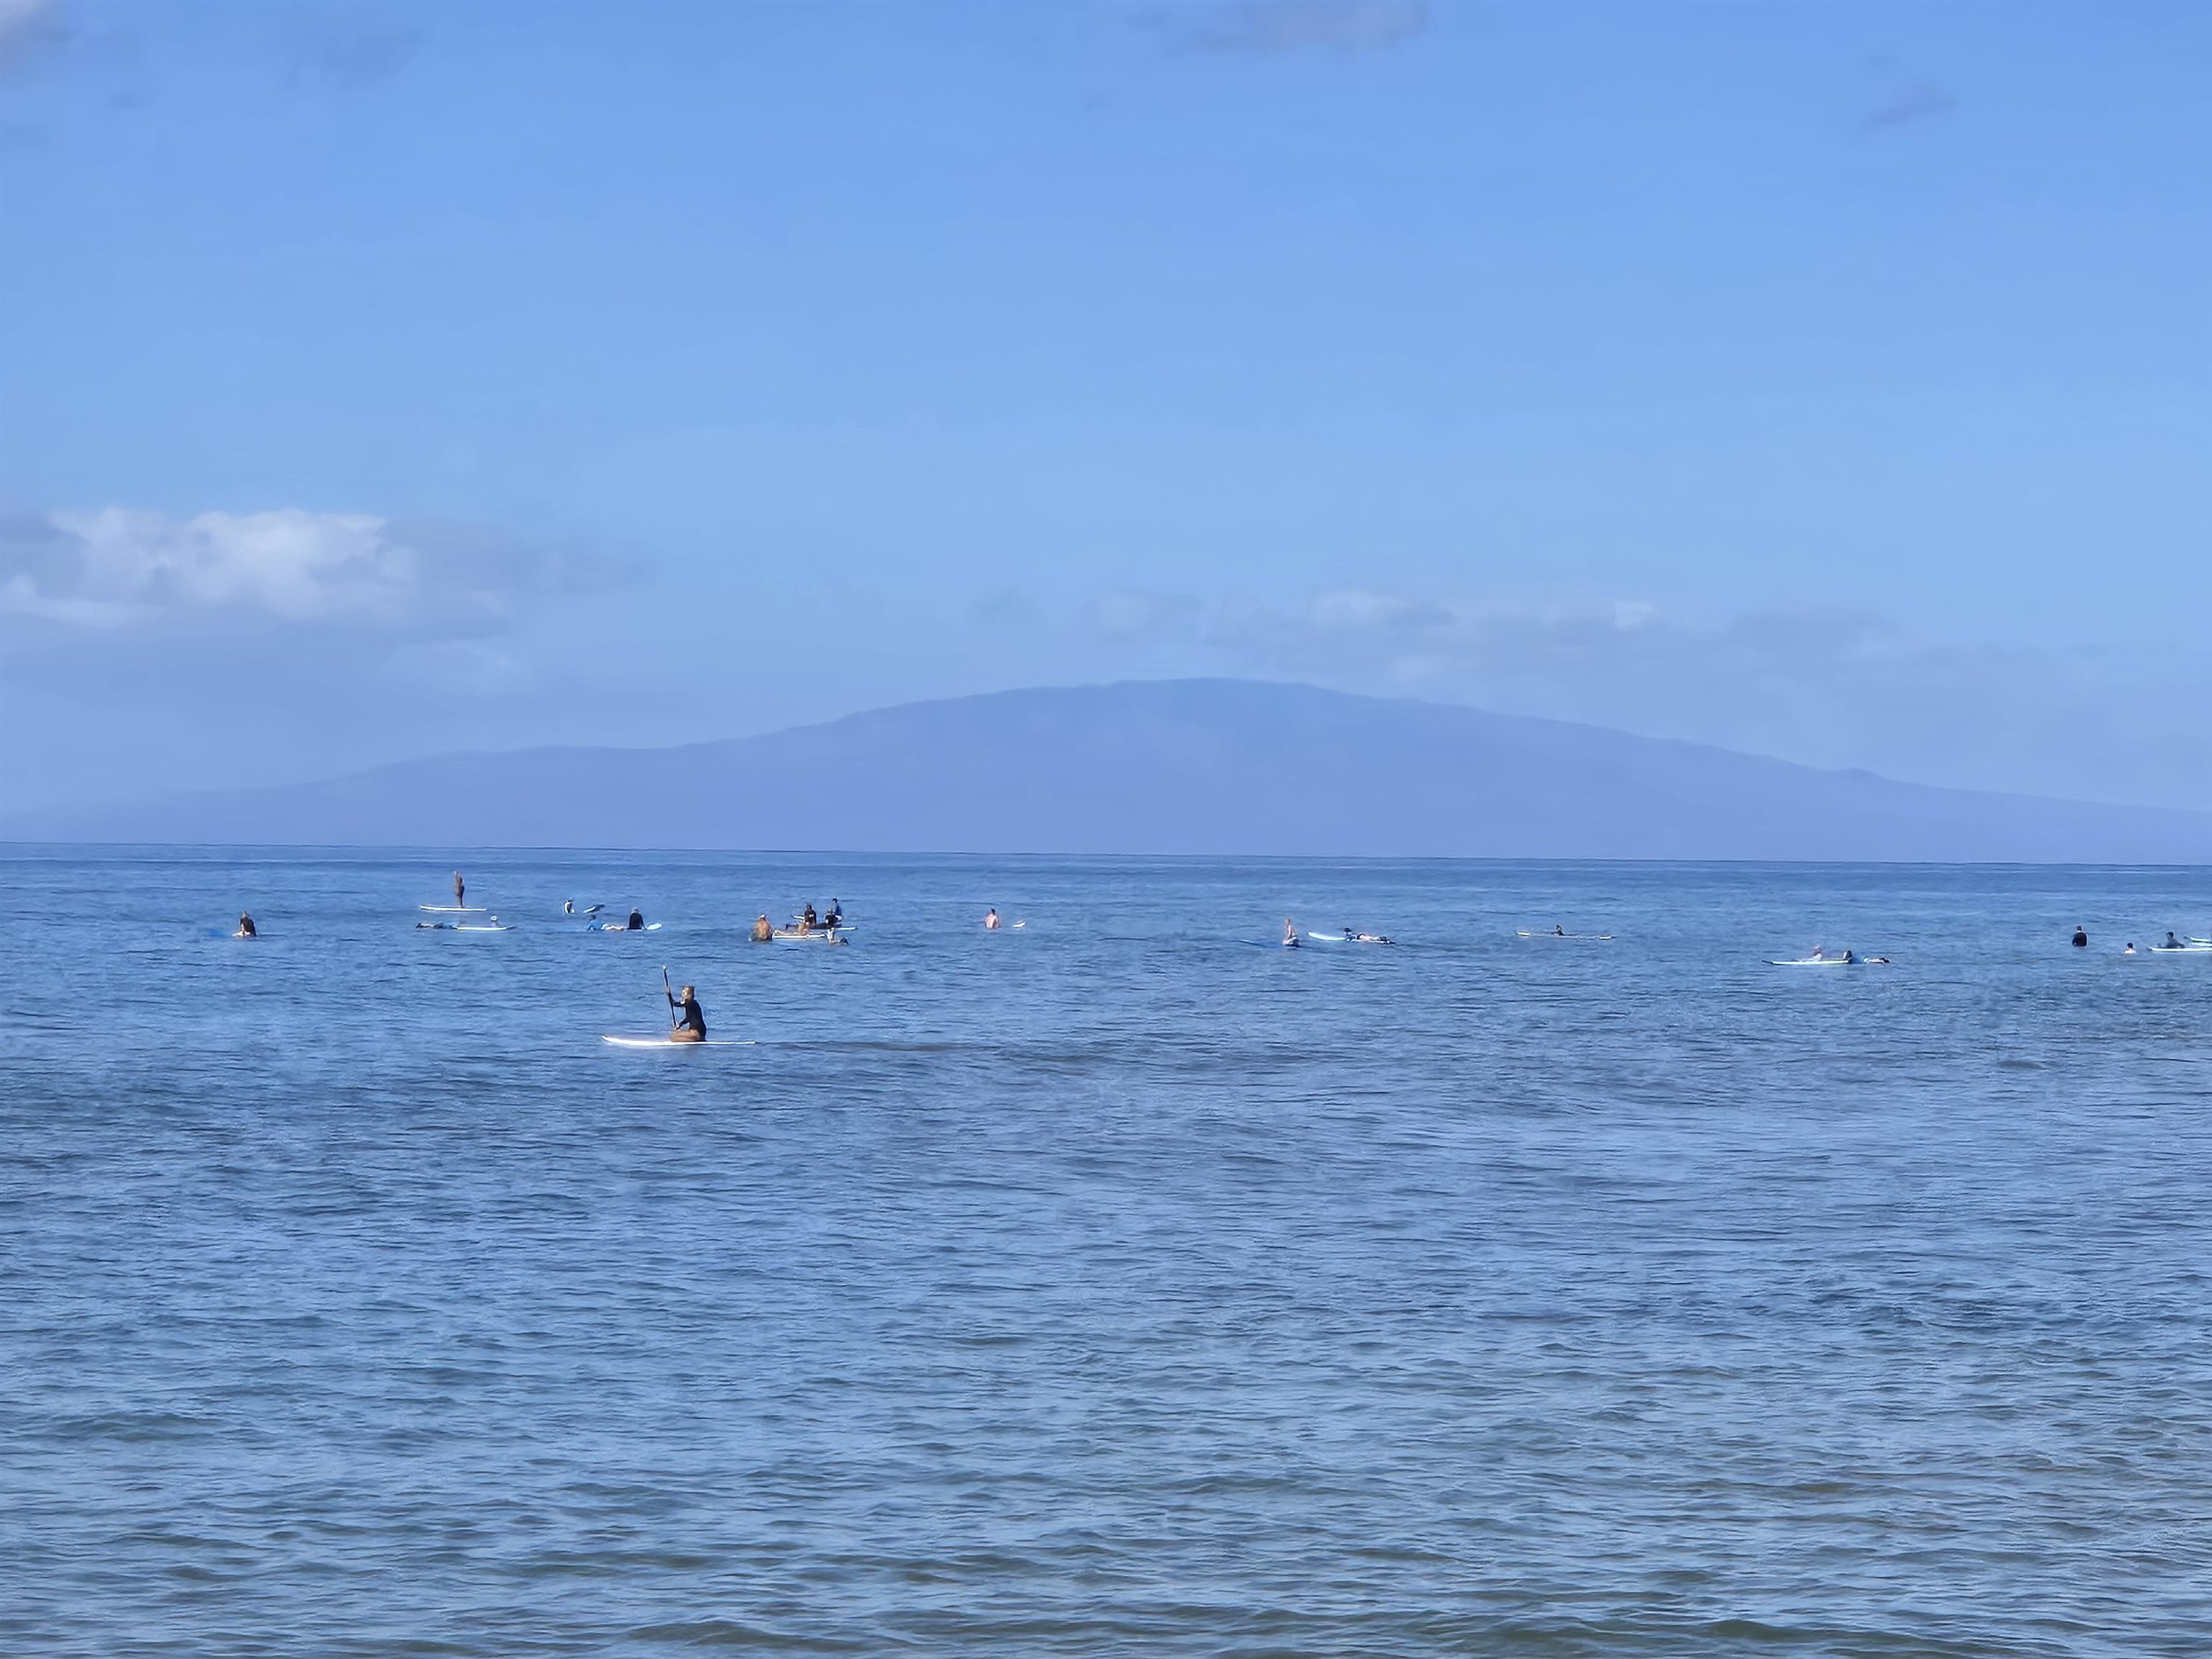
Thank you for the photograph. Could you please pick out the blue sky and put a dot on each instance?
(1831, 382)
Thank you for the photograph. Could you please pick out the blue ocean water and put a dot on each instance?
(1118, 1284)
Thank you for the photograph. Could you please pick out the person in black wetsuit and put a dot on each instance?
(636, 921)
(245, 927)
(808, 921)
(835, 917)
(2080, 937)
(692, 1025)
(460, 890)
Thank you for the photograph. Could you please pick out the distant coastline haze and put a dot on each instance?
(1220, 767)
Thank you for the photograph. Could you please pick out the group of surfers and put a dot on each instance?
(2173, 942)
(807, 924)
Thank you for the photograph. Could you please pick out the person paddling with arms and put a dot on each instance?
(686, 1023)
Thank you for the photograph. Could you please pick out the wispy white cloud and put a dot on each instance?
(1828, 688)
(1129, 612)
(1272, 28)
(25, 27)
(1918, 102)
(356, 47)
(120, 568)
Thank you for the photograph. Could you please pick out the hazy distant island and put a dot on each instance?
(1208, 766)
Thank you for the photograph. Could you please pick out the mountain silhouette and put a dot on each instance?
(1229, 767)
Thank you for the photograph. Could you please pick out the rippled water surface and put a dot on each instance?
(1113, 1285)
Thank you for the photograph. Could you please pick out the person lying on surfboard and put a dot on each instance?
(762, 932)
(692, 1027)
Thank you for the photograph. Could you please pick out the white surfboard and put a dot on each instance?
(670, 1042)
(452, 910)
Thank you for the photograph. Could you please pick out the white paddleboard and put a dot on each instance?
(1812, 961)
(452, 910)
(617, 927)
(670, 1042)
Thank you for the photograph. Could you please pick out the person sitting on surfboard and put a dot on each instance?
(991, 917)
(762, 932)
(1558, 932)
(808, 920)
(2080, 936)
(636, 921)
(692, 1027)
(245, 927)
(835, 916)
(1289, 933)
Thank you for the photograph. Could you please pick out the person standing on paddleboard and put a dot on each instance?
(460, 890)
(691, 1024)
